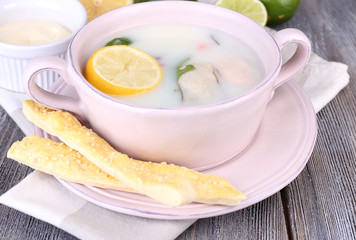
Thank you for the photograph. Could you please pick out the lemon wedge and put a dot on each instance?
(122, 70)
(95, 8)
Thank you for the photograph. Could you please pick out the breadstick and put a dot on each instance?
(61, 161)
(167, 183)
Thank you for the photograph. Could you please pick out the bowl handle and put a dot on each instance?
(298, 60)
(46, 98)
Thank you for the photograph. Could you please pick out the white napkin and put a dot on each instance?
(43, 197)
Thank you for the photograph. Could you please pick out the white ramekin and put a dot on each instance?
(13, 58)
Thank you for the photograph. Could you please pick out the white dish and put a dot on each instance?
(276, 156)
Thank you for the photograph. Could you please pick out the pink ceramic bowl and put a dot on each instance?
(197, 137)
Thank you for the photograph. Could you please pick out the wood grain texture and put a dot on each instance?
(319, 204)
(322, 200)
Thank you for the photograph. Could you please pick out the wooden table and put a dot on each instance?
(319, 204)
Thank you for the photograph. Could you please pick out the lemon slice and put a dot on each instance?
(253, 9)
(122, 70)
(95, 8)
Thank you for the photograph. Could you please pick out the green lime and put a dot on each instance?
(280, 11)
(253, 9)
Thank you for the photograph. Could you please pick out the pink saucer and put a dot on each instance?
(279, 152)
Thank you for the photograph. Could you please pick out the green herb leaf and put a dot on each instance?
(186, 69)
(119, 41)
(181, 70)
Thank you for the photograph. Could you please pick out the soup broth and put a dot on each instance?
(221, 66)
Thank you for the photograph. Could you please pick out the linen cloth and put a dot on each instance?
(42, 196)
